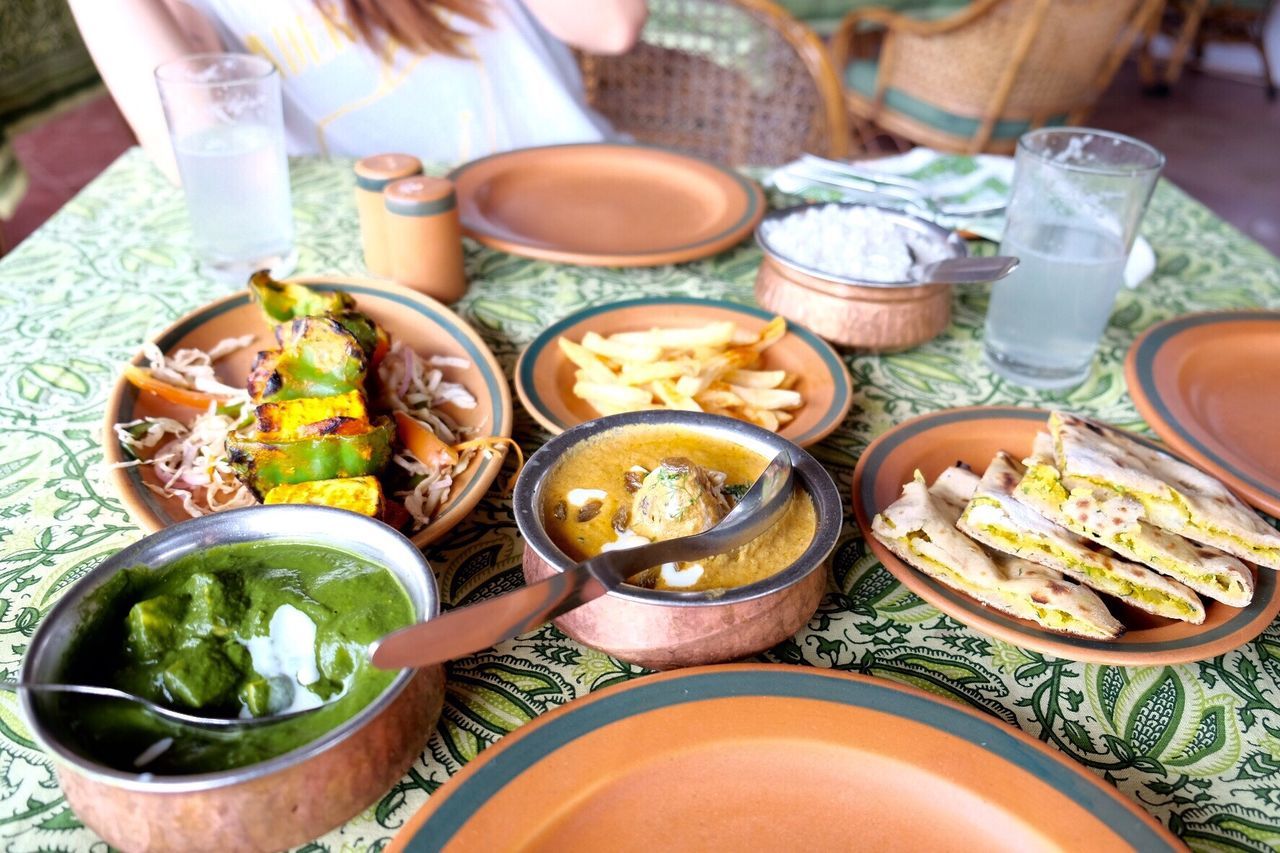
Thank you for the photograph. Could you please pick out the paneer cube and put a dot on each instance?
(358, 494)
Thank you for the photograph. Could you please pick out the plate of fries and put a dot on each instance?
(679, 352)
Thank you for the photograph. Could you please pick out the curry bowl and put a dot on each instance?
(881, 316)
(326, 776)
(664, 628)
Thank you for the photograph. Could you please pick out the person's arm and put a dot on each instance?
(128, 39)
(597, 26)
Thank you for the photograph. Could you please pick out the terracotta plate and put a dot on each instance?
(411, 317)
(605, 204)
(936, 441)
(545, 378)
(754, 757)
(1209, 384)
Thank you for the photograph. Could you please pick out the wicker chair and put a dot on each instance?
(979, 79)
(736, 81)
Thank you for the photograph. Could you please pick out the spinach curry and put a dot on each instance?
(235, 630)
(639, 484)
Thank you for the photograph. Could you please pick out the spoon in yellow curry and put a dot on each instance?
(154, 708)
(469, 629)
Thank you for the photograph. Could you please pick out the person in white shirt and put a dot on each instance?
(445, 80)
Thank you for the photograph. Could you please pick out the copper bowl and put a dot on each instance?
(662, 629)
(274, 804)
(883, 316)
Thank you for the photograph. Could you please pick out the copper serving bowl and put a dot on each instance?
(274, 804)
(882, 316)
(662, 629)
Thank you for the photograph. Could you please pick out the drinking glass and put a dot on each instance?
(1078, 196)
(227, 127)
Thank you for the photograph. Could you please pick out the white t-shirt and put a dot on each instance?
(518, 86)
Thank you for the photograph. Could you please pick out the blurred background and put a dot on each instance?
(756, 82)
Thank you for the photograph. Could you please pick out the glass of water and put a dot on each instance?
(227, 127)
(1078, 196)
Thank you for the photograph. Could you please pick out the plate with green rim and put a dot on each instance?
(420, 321)
(935, 441)
(545, 376)
(757, 756)
(1209, 385)
(605, 204)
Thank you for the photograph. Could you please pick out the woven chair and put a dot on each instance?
(979, 79)
(735, 81)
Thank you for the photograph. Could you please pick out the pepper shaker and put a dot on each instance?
(372, 175)
(425, 237)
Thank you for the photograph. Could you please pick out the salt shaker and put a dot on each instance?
(372, 175)
(424, 236)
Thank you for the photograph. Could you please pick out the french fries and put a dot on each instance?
(713, 368)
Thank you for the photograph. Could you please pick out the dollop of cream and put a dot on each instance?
(581, 497)
(673, 575)
(288, 650)
(626, 539)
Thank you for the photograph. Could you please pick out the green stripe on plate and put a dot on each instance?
(1263, 595)
(1145, 358)
(548, 336)
(996, 737)
(749, 187)
(169, 340)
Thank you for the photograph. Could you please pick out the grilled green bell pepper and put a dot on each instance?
(282, 301)
(317, 358)
(285, 301)
(264, 464)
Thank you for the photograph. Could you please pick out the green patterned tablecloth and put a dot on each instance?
(1198, 745)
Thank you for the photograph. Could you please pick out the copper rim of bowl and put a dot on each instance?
(527, 499)
(369, 539)
(952, 244)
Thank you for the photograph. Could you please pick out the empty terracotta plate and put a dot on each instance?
(545, 377)
(1209, 385)
(756, 757)
(934, 442)
(605, 204)
(421, 322)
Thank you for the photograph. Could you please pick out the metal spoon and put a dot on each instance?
(469, 629)
(195, 720)
(965, 270)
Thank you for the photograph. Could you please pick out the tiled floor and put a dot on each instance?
(61, 156)
(1222, 140)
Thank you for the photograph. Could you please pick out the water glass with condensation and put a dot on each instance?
(1078, 197)
(227, 127)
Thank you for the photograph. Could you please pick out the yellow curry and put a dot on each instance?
(634, 485)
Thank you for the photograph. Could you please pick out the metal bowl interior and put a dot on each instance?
(356, 534)
(948, 243)
(810, 475)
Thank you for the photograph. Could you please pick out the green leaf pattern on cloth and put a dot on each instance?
(1198, 745)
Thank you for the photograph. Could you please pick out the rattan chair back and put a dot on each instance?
(736, 81)
(1025, 61)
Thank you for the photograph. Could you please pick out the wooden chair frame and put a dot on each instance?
(849, 42)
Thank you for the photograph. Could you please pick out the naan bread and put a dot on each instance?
(1116, 521)
(996, 518)
(920, 527)
(1173, 495)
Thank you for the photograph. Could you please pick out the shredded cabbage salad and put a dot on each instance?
(190, 459)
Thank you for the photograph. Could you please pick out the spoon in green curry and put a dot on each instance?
(479, 626)
(164, 713)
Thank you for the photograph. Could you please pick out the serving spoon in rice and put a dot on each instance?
(469, 629)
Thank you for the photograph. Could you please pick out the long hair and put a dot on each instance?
(422, 26)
